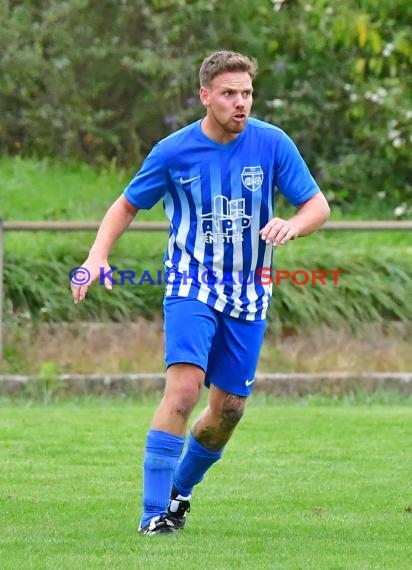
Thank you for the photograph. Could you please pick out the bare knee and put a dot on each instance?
(183, 389)
(184, 400)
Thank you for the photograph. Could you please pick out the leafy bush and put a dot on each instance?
(103, 80)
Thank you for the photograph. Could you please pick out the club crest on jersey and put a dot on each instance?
(252, 177)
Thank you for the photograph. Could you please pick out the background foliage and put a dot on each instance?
(101, 80)
(370, 289)
(376, 285)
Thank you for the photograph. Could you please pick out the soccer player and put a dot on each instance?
(216, 178)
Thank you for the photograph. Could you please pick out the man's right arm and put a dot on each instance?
(116, 220)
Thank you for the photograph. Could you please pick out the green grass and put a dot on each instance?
(313, 484)
(48, 189)
(51, 190)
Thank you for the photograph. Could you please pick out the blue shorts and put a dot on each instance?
(226, 348)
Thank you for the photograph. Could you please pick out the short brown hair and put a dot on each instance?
(223, 61)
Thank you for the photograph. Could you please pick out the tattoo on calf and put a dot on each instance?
(215, 437)
(209, 438)
(232, 411)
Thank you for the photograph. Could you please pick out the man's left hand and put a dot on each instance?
(278, 232)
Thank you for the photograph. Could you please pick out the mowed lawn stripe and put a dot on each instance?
(299, 487)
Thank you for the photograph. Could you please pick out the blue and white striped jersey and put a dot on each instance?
(217, 198)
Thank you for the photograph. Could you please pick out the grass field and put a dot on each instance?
(315, 484)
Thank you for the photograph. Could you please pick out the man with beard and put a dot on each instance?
(217, 179)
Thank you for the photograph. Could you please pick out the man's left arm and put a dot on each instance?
(309, 217)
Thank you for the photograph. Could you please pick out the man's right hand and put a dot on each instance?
(114, 223)
(83, 276)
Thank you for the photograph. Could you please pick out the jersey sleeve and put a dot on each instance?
(293, 178)
(150, 183)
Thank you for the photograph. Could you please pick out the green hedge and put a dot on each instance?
(102, 80)
(373, 288)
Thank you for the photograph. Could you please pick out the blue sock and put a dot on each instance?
(193, 466)
(162, 454)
